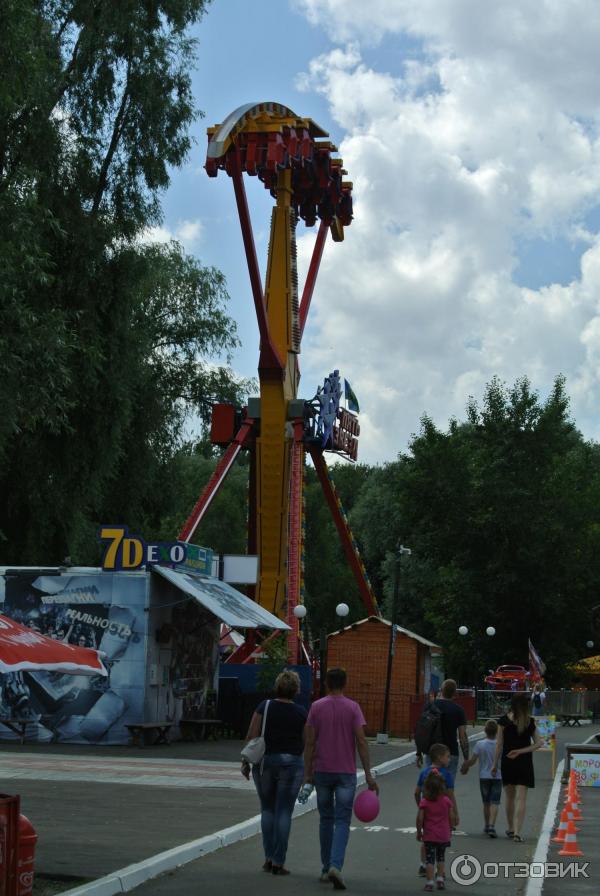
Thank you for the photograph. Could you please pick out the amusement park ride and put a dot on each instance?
(294, 160)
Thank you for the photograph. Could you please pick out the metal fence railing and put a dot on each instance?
(582, 704)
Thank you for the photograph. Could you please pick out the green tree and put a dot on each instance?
(104, 341)
(224, 528)
(500, 512)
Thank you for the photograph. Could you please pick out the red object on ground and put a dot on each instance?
(9, 832)
(25, 857)
(21, 648)
(366, 806)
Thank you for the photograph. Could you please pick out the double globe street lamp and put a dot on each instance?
(490, 631)
(342, 611)
(464, 631)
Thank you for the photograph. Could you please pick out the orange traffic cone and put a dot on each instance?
(571, 817)
(561, 832)
(570, 847)
(572, 794)
(573, 806)
(572, 780)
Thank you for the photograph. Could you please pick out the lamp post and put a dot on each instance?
(382, 736)
(342, 611)
(589, 644)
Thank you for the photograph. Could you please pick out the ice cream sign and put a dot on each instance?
(587, 769)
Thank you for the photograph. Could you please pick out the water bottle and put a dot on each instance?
(305, 792)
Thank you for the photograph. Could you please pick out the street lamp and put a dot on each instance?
(342, 611)
(382, 736)
(464, 631)
(589, 644)
(490, 631)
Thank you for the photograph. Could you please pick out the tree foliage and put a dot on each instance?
(107, 345)
(500, 512)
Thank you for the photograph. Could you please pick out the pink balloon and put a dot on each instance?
(366, 805)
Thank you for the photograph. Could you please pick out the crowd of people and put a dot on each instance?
(58, 627)
(319, 747)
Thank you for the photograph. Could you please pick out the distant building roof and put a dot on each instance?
(403, 631)
(590, 666)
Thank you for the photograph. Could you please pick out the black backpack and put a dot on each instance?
(428, 730)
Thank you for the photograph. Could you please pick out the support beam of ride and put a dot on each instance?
(348, 543)
(311, 277)
(295, 161)
(216, 480)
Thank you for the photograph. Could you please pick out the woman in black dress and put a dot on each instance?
(517, 739)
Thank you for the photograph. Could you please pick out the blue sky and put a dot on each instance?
(475, 158)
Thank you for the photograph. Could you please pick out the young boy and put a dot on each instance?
(439, 756)
(490, 785)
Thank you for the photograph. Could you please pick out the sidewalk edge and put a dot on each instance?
(535, 884)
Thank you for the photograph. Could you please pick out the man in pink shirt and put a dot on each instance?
(334, 732)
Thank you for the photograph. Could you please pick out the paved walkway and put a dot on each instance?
(101, 810)
(588, 841)
(382, 858)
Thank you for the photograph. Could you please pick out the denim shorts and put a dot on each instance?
(491, 790)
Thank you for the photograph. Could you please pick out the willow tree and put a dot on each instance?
(106, 344)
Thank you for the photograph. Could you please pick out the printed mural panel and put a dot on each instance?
(104, 611)
(183, 655)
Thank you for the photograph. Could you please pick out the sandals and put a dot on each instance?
(510, 834)
(518, 839)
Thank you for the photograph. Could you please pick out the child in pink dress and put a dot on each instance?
(435, 821)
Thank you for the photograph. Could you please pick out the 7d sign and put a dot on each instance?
(125, 551)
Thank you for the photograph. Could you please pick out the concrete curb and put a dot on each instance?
(535, 885)
(126, 879)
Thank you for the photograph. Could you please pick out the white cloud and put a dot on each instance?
(188, 233)
(487, 139)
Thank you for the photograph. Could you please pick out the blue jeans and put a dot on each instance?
(335, 798)
(277, 789)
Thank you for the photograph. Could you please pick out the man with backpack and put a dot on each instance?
(538, 699)
(443, 722)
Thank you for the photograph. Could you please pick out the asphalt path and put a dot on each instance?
(95, 810)
(383, 857)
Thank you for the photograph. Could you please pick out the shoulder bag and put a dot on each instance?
(254, 750)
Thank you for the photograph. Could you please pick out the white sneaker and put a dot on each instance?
(335, 876)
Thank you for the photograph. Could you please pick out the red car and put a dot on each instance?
(504, 677)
